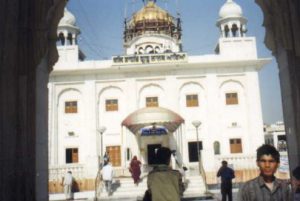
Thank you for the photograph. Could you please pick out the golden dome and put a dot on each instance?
(151, 12)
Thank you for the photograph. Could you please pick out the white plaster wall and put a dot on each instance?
(152, 89)
(232, 113)
(111, 119)
(68, 54)
(254, 110)
(72, 122)
(237, 48)
(89, 140)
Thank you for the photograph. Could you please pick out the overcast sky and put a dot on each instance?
(101, 24)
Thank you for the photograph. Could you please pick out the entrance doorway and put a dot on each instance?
(193, 152)
(152, 148)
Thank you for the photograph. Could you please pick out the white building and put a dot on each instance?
(275, 135)
(155, 85)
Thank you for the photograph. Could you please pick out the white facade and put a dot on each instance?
(170, 77)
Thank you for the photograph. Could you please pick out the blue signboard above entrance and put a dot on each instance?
(153, 131)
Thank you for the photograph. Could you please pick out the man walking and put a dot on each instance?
(67, 182)
(266, 186)
(107, 175)
(226, 174)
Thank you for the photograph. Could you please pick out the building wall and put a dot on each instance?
(220, 122)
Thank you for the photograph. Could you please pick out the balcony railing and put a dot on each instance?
(57, 172)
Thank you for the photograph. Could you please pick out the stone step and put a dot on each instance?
(125, 188)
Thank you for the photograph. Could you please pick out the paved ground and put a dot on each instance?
(216, 197)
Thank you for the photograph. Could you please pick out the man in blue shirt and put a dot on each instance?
(226, 174)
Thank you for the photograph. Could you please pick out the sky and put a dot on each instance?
(101, 25)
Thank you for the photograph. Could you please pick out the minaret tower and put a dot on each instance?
(233, 42)
(67, 33)
(152, 30)
(231, 22)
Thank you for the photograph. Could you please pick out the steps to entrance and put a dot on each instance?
(194, 186)
(125, 188)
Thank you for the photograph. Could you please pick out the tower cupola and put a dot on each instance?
(67, 33)
(152, 30)
(67, 30)
(231, 21)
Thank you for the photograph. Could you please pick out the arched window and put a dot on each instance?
(217, 148)
(226, 31)
(69, 39)
(149, 49)
(157, 49)
(141, 50)
(243, 30)
(60, 39)
(234, 30)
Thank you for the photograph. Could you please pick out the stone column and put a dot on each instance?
(281, 20)
(27, 52)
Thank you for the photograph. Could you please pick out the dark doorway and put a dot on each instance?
(193, 153)
(151, 153)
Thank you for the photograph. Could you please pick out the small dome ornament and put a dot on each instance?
(68, 19)
(230, 9)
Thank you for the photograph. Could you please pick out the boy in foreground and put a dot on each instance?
(265, 187)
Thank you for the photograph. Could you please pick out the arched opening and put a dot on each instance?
(60, 40)
(226, 31)
(217, 148)
(70, 39)
(149, 49)
(157, 49)
(243, 30)
(234, 30)
(141, 50)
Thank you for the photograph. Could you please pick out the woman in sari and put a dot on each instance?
(135, 169)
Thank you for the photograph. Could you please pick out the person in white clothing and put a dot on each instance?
(107, 175)
(67, 182)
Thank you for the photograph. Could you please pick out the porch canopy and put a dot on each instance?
(152, 116)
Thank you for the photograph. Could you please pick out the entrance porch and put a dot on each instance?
(154, 127)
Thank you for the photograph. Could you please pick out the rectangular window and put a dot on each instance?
(151, 101)
(193, 151)
(72, 155)
(128, 154)
(111, 105)
(114, 154)
(192, 100)
(236, 146)
(232, 99)
(234, 124)
(71, 107)
(71, 133)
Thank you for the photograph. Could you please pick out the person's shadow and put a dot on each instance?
(75, 187)
(115, 185)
